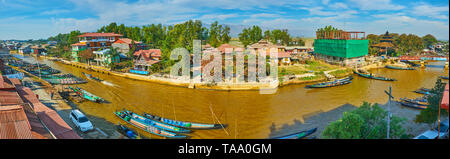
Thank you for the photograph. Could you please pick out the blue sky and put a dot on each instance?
(34, 19)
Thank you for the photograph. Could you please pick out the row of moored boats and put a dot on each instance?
(160, 126)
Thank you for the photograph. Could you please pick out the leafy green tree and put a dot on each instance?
(365, 122)
(250, 35)
(267, 35)
(431, 113)
(280, 36)
(429, 40)
(409, 44)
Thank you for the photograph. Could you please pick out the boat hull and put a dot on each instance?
(182, 124)
(150, 129)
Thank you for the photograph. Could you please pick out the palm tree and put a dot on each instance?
(114, 54)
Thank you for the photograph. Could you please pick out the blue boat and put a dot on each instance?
(374, 77)
(334, 83)
(399, 68)
(157, 124)
(146, 127)
(183, 124)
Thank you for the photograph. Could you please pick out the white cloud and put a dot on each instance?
(436, 12)
(376, 5)
(56, 11)
(264, 15)
(338, 5)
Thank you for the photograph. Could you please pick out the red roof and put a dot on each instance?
(55, 123)
(224, 46)
(99, 34)
(78, 44)
(147, 56)
(152, 52)
(444, 103)
(9, 97)
(14, 123)
(19, 95)
(5, 83)
(48, 116)
(126, 41)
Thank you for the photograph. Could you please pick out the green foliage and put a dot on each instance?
(250, 35)
(365, 122)
(408, 44)
(218, 34)
(254, 34)
(429, 40)
(281, 36)
(431, 113)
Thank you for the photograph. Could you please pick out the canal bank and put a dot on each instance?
(223, 86)
(249, 115)
(321, 120)
(103, 129)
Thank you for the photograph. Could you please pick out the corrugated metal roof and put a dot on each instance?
(49, 117)
(9, 97)
(57, 125)
(27, 94)
(37, 128)
(14, 123)
(37, 113)
(5, 83)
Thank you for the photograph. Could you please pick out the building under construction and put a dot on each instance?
(341, 47)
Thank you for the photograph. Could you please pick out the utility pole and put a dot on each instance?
(389, 111)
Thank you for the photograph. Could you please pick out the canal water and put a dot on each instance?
(248, 114)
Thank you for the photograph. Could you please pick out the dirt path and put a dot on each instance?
(103, 129)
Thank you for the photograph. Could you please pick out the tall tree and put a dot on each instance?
(250, 35)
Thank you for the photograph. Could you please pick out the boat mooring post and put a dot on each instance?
(389, 111)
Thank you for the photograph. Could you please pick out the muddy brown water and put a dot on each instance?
(248, 114)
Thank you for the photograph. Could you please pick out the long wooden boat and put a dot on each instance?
(126, 131)
(298, 135)
(148, 128)
(86, 95)
(66, 79)
(374, 77)
(425, 91)
(412, 105)
(334, 83)
(90, 77)
(157, 124)
(399, 68)
(184, 124)
(422, 102)
(444, 77)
